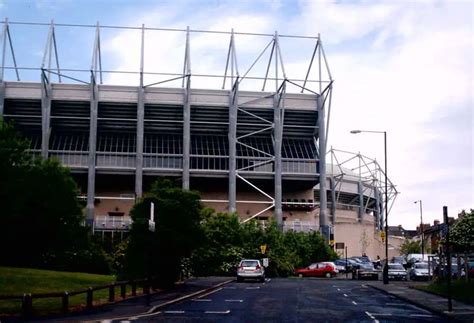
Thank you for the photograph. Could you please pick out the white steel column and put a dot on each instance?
(94, 96)
(360, 191)
(140, 125)
(232, 147)
(322, 169)
(187, 115)
(45, 114)
(332, 186)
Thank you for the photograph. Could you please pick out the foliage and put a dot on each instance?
(227, 241)
(177, 233)
(410, 246)
(42, 213)
(22, 280)
(462, 232)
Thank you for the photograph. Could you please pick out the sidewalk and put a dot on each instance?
(434, 303)
(138, 305)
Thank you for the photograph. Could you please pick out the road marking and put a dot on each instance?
(345, 295)
(268, 280)
(372, 317)
(173, 312)
(234, 300)
(354, 303)
(396, 304)
(338, 289)
(381, 314)
(258, 287)
(133, 318)
(211, 292)
(421, 315)
(230, 287)
(217, 312)
(202, 300)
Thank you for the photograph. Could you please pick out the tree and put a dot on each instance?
(410, 246)
(177, 233)
(462, 232)
(41, 216)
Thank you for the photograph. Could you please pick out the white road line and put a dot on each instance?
(354, 303)
(396, 304)
(268, 280)
(202, 300)
(372, 317)
(211, 292)
(133, 318)
(230, 287)
(421, 315)
(338, 289)
(258, 287)
(381, 314)
(345, 295)
(217, 312)
(173, 312)
(234, 300)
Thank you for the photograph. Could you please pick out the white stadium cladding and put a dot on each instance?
(247, 149)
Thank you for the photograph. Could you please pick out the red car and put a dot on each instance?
(320, 269)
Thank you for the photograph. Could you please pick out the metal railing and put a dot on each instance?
(112, 223)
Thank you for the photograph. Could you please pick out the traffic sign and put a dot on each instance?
(263, 248)
(382, 236)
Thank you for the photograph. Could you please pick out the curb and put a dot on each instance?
(406, 299)
(433, 293)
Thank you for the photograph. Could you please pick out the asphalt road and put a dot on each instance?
(293, 300)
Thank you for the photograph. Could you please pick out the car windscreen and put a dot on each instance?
(395, 267)
(249, 263)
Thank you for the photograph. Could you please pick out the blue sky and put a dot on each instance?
(401, 66)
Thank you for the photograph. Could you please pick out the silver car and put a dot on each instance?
(250, 269)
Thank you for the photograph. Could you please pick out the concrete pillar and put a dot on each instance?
(278, 136)
(94, 96)
(360, 191)
(45, 115)
(332, 185)
(140, 135)
(322, 168)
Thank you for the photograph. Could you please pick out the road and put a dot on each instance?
(293, 300)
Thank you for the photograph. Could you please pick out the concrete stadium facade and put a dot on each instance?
(261, 154)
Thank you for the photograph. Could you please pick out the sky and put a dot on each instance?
(405, 67)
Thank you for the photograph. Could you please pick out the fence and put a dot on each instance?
(27, 308)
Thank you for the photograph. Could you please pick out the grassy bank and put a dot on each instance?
(14, 281)
(461, 290)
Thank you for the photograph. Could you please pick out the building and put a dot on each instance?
(247, 149)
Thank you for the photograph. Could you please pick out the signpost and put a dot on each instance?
(151, 221)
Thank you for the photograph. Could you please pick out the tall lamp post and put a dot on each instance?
(385, 268)
(421, 229)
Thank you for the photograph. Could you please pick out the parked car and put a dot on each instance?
(363, 269)
(396, 271)
(419, 271)
(400, 260)
(320, 269)
(470, 270)
(344, 266)
(250, 269)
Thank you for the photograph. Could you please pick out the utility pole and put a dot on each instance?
(448, 257)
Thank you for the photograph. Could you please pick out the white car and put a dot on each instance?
(250, 269)
(419, 271)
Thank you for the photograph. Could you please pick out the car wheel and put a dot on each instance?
(300, 275)
(328, 275)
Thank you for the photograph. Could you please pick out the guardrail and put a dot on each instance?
(26, 299)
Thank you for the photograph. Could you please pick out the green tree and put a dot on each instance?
(462, 232)
(410, 246)
(177, 233)
(41, 217)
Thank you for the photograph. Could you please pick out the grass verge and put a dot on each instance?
(14, 281)
(461, 290)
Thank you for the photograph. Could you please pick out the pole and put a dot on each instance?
(346, 262)
(448, 257)
(385, 269)
(422, 232)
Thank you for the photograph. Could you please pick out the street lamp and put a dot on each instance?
(385, 268)
(422, 229)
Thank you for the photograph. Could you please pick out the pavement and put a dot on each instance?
(437, 304)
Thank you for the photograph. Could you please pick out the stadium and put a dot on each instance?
(251, 141)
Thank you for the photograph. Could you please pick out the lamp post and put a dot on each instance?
(385, 268)
(421, 229)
